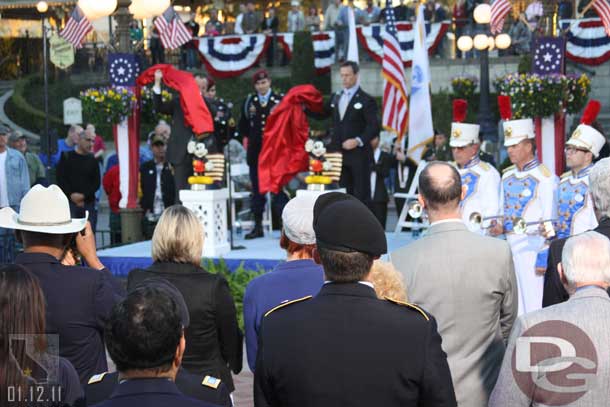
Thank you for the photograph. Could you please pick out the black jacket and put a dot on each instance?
(554, 291)
(360, 120)
(148, 182)
(100, 388)
(345, 347)
(382, 168)
(273, 26)
(213, 339)
(79, 301)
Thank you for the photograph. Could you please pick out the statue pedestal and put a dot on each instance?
(210, 207)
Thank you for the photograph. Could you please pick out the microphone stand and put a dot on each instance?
(228, 172)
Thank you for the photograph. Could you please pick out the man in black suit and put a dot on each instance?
(270, 26)
(157, 182)
(177, 154)
(382, 162)
(254, 113)
(355, 124)
(599, 188)
(346, 347)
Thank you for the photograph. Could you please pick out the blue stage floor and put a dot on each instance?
(264, 253)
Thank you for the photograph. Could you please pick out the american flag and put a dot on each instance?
(76, 28)
(395, 101)
(499, 10)
(171, 29)
(603, 9)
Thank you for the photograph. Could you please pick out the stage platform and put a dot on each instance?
(259, 254)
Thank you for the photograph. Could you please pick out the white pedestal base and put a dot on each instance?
(210, 207)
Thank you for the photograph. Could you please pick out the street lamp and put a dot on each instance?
(484, 43)
(42, 7)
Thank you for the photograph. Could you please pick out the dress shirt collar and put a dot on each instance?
(367, 283)
(264, 98)
(351, 91)
(440, 222)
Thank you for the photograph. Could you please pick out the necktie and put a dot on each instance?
(343, 101)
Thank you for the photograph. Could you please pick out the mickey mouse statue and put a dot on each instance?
(198, 148)
(317, 164)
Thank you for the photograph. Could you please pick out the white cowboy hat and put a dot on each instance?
(43, 210)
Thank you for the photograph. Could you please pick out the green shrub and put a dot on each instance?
(238, 280)
(302, 69)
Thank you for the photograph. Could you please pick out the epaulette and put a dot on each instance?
(285, 303)
(211, 381)
(507, 169)
(96, 378)
(485, 166)
(566, 175)
(545, 170)
(412, 306)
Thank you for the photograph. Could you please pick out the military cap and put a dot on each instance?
(4, 129)
(345, 224)
(260, 75)
(16, 136)
(172, 291)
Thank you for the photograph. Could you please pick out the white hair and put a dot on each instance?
(586, 258)
(599, 186)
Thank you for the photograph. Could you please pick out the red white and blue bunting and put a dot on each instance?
(323, 48)
(371, 39)
(229, 56)
(587, 42)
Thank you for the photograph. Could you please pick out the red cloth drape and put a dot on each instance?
(283, 153)
(196, 113)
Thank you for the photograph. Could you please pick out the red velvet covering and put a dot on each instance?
(283, 153)
(196, 113)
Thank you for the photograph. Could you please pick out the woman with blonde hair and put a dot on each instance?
(388, 281)
(213, 338)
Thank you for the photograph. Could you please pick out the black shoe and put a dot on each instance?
(255, 233)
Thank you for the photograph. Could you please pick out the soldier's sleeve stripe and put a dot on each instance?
(287, 303)
(96, 378)
(211, 382)
(413, 306)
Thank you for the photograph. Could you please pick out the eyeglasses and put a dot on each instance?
(573, 150)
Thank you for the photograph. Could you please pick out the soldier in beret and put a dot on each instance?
(220, 109)
(345, 347)
(254, 113)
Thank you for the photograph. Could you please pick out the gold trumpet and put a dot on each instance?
(546, 226)
(415, 209)
(476, 219)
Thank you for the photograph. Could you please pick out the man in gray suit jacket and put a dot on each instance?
(579, 327)
(466, 281)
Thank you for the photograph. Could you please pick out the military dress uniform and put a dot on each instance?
(479, 177)
(254, 113)
(530, 194)
(209, 389)
(224, 123)
(482, 194)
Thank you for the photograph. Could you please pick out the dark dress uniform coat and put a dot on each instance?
(101, 387)
(345, 347)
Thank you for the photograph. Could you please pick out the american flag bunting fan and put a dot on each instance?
(77, 27)
(172, 31)
(603, 9)
(395, 103)
(499, 11)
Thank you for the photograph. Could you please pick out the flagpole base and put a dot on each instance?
(131, 225)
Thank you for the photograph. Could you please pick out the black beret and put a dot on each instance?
(171, 290)
(345, 224)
